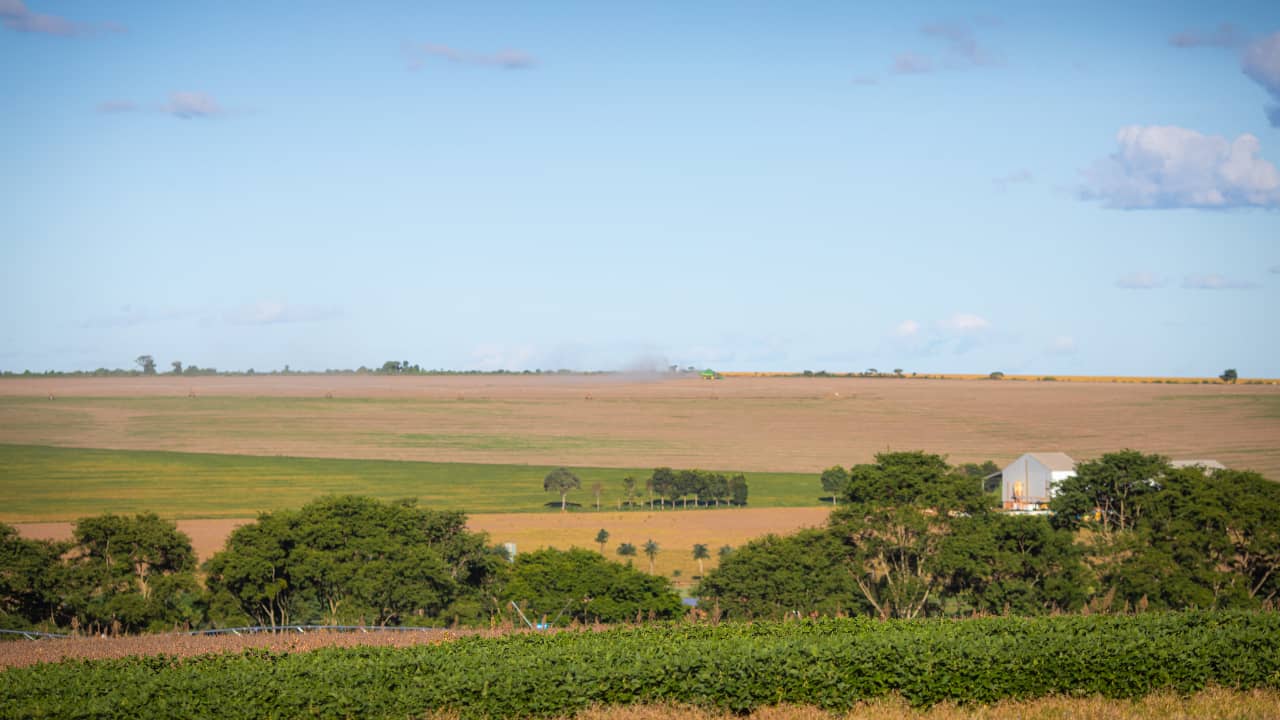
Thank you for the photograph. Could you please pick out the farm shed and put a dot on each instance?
(1026, 484)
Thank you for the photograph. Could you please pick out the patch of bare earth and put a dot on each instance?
(743, 423)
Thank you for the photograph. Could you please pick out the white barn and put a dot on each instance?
(1027, 484)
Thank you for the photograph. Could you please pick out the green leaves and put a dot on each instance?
(830, 664)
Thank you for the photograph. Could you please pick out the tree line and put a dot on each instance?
(915, 537)
(666, 487)
(338, 560)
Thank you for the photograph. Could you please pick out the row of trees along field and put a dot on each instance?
(339, 560)
(665, 487)
(915, 537)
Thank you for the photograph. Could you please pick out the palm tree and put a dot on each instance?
(596, 488)
(602, 537)
(627, 550)
(651, 551)
(725, 552)
(700, 553)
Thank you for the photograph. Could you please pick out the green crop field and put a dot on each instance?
(829, 664)
(50, 483)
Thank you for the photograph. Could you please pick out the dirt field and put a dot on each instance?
(743, 423)
(675, 531)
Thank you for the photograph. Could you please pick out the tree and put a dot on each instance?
(579, 585)
(662, 482)
(596, 488)
(602, 537)
(132, 573)
(651, 551)
(700, 553)
(918, 479)
(738, 489)
(561, 480)
(629, 490)
(147, 363)
(350, 558)
(177, 367)
(834, 480)
(772, 577)
(31, 573)
(724, 552)
(1228, 375)
(627, 550)
(1112, 488)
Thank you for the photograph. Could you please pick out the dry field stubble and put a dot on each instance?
(743, 423)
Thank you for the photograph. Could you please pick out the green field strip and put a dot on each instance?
(45, 484)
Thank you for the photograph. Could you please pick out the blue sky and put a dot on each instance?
(941, 187)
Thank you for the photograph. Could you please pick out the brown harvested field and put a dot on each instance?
(791, 424)
(674, 531)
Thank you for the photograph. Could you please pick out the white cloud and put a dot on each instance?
(964, 323)
(1225, 35)
(907, 328)
(15, 15)
(1062, 345)
(911, 64)
(274, 313)
(1173, 167)
(1140, 281)
(1262, 64)
(1213, 281)
(1017, 177)
(187, 105)
(504, 59)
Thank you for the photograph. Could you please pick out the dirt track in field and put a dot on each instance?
(745, 423)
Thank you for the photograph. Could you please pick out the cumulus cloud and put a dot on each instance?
(276, 313)
(117, 106)
(188, 105)
(1140, 281)
(504, 59)
(1017, 177)
(1262, 64)
(1173, 167)
(1225, 35)
(1213, 281)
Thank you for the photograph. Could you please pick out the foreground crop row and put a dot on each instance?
(830, 664)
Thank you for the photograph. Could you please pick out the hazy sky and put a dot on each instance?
(1049, 188)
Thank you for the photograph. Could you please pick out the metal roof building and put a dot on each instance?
(1027, 484)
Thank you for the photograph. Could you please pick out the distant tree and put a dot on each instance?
(651, 551)
(602, 537)
(561, 480)
(897, 371)
(147, 363)
(834, 480)
(627, 550)
(663, 482)
(1228, 375)
(997, 375)
(700, 553)
(629, 490)
(597, 488)
(177, 367)
(725, 551)
(738, 489)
